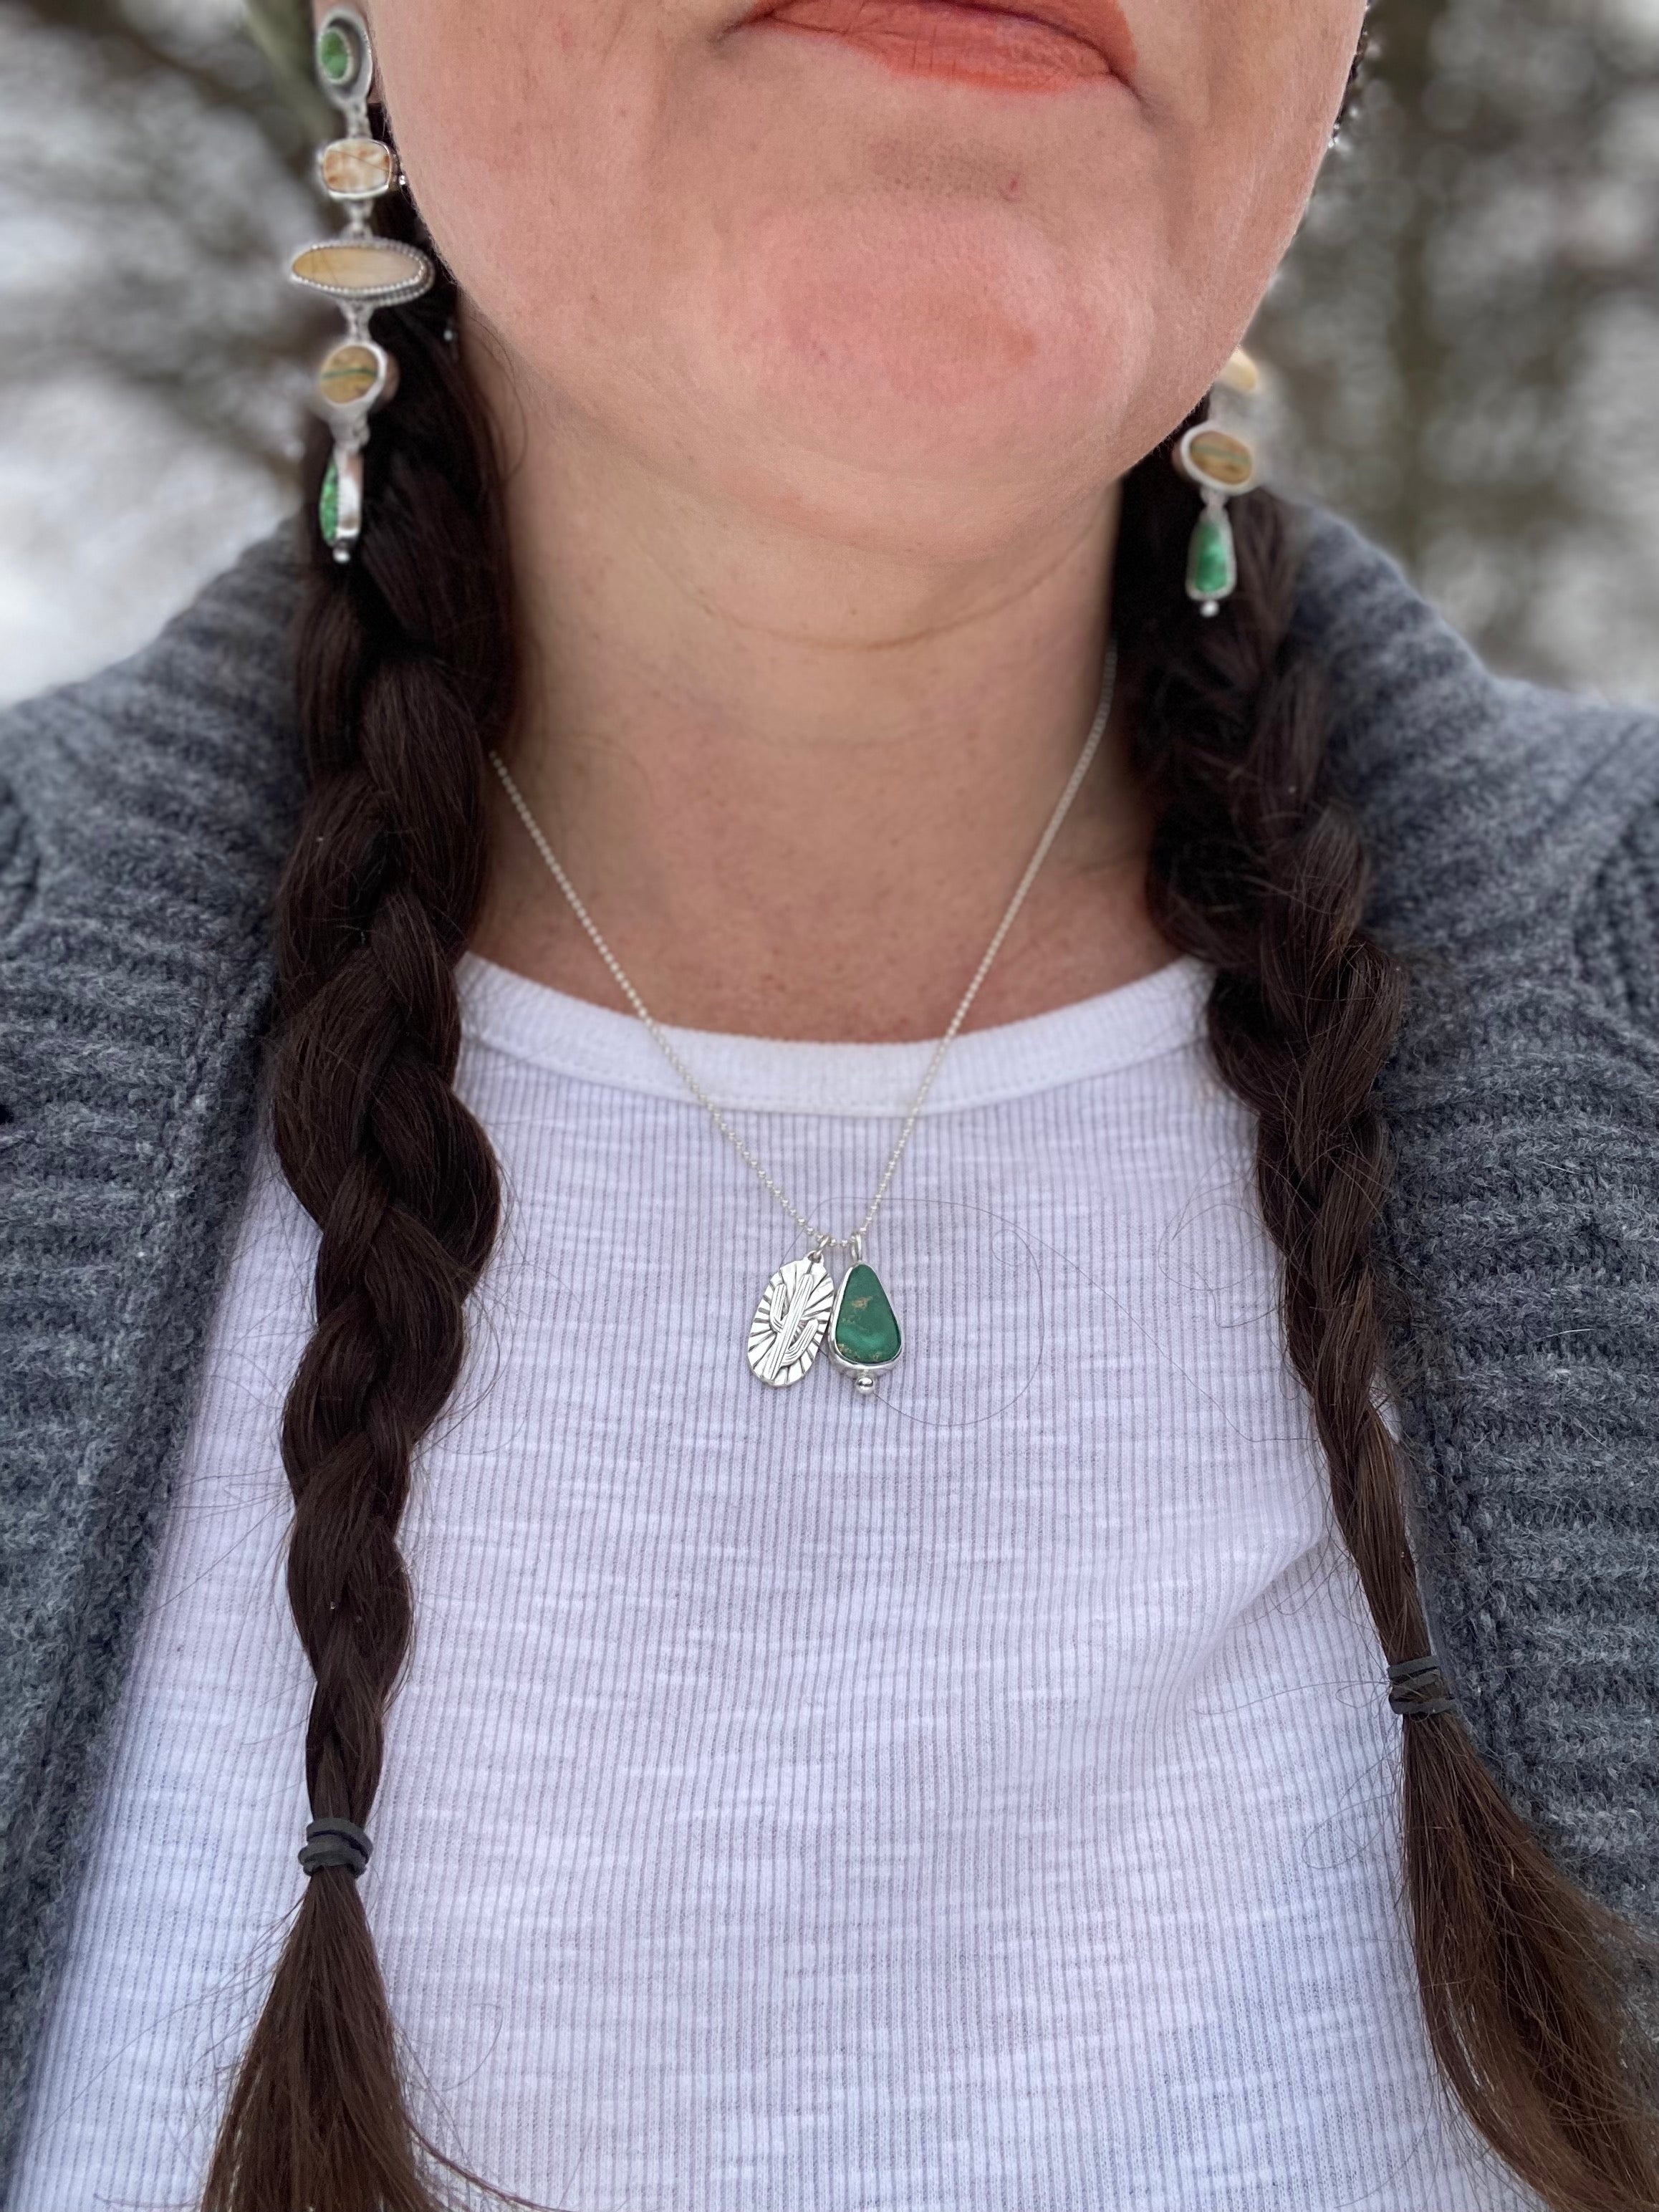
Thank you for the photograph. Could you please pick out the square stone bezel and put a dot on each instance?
(375, 191)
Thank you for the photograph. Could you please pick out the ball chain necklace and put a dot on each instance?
(801, 1305)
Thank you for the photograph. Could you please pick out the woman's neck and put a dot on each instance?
(795, 777)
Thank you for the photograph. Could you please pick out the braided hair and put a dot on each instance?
(405, 666)
(405, 660)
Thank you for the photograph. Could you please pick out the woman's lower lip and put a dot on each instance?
(941, 37)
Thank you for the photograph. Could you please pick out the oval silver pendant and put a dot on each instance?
(790, 1320)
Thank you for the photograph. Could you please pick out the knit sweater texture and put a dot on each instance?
(144, 816)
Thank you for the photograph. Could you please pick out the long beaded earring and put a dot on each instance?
(1223, 467)
(357, 269)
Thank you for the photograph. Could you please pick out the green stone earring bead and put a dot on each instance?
(1212, 561)
(344, 65)
(340, 502)
(335, 57)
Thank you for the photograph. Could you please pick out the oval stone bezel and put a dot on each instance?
(350, 92)
(380, 388)
(392, 252)
(360, 146)
(1195, 472)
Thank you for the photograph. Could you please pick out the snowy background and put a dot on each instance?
(1466, 338)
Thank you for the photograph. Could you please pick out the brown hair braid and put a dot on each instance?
(405, 660)
(1258, 869)
(405, 678)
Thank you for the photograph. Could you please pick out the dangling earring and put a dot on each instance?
(1223, 465)
(358, 269)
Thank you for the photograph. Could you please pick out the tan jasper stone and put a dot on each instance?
(1217, 458)
(356, 168)
(363, 269)
(352, 374)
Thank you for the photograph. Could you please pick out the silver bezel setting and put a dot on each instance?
(348, 464)
(375, 191)
(1201, 476)
(351, 98)
(384, 295)
(347, 414)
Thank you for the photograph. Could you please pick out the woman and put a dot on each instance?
(1172, 1725)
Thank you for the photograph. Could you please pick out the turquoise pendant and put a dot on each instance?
(865, 1339)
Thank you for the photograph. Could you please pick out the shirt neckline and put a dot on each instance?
(544, 1028)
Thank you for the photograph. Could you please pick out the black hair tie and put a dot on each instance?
(336, 1843)
(1411, 1684)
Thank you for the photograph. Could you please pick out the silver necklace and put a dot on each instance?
(801, 1306)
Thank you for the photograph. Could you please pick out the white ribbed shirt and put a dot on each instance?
(981, 1798)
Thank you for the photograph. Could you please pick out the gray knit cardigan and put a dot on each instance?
(143, 817)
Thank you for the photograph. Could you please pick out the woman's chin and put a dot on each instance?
(922, 497)
(927, 386)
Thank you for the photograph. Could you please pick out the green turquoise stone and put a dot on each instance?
(328, 504)
(1212, 564)
(866, 1328)
(336, 56)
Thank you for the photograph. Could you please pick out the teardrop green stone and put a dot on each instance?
(866, 1327)
(328, 503)
(336, 57)
(1212, 564)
